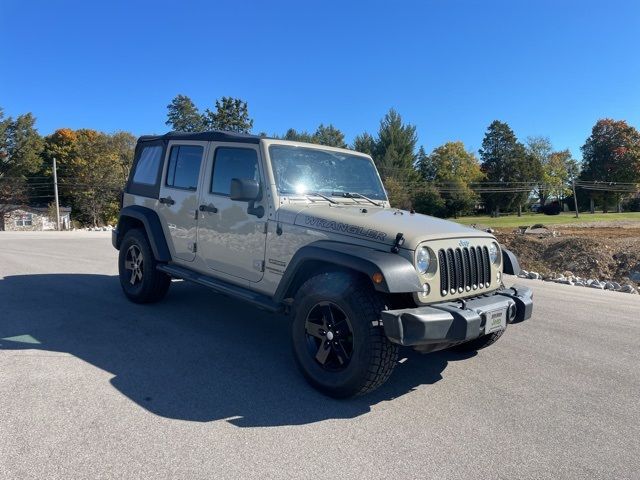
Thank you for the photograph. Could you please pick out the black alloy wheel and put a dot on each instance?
(329, 336)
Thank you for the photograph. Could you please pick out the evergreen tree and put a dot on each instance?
(183, 115)
(298, 136)
(364, 143)
(329, 136)
(394, 153)
(232, 115)
(20, 155)
(425, 165)
(504, 159)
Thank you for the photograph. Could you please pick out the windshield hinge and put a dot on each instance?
(398, 243)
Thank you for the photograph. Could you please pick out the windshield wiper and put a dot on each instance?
(317, 194)
(357, 195)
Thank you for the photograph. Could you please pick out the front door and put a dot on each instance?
(231, 240)
(178, 209)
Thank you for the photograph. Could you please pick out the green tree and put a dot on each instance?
(505, 162)
(364, 143)
(329, 136)
(539, 150)
(20, 156)
(427, 200)
(294, 135)
(22, 146)
(122, 145)
(394, 155)
(425, 165)
(558, 173)
(231, 114)
(454, 168)
(394, 152)
(184, 116)
(611, 154)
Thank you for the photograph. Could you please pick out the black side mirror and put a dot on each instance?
(247, 190)
(244, 189)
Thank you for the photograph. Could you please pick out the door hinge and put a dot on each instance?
(195, 215)
(258, 265)
(262, 227)
(193, 247)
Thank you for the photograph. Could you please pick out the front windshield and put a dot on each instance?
(298, 170)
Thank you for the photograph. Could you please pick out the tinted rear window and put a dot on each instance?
(184, 166)
(148, 165)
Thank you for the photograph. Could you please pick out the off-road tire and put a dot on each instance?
(373, 356)
(153, 284)
(480, 342)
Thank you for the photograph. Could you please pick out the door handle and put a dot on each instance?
(167, 200)
(208, 208)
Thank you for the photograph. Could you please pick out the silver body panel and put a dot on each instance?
(253, 252)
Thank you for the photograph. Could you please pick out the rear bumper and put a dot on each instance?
(455, 322)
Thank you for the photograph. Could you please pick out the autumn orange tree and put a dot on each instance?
(92, 169)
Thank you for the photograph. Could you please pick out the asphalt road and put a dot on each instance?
(201, 386)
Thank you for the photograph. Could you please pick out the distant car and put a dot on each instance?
(553, 208)
(308, 230)
(535, 208)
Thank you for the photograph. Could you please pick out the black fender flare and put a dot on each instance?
(399, 274)
(152, 227)
(511, 266)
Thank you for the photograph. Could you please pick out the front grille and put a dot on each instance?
(463, 269)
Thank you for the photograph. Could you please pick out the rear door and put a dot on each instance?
(178, 209)
(230, 239)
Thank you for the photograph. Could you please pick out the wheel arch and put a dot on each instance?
(136, 216)
(511, 266)
(398, 274)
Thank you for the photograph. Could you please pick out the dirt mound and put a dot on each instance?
(605, 254)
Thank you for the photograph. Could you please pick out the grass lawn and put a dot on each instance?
(509, 221)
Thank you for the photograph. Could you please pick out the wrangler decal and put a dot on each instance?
(345, 228)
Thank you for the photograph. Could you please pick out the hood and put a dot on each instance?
(377, 224)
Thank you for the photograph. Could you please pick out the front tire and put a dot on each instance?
(338, 340)
(141, 282)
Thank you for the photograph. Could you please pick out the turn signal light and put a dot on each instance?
(377, 278)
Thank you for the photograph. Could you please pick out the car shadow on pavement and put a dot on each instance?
(195, 356)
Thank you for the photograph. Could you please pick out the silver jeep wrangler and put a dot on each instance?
(308, 230)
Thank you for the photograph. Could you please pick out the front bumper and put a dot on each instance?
(455, 322)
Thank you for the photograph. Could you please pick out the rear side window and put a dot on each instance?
(148, 165)
(184, 166)
(233, 163)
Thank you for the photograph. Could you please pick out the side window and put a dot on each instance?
(184, 166)
(148, 165)
(233, 163)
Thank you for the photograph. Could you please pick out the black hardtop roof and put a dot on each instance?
(211, 136)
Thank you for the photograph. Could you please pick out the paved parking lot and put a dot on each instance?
(201, 386)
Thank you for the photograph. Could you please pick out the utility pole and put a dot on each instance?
(575, 198)
(55, 190)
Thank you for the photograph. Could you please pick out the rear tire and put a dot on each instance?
(480, 342)
(141, 282)
(338, 340)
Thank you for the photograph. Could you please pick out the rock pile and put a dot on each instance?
(568, 278)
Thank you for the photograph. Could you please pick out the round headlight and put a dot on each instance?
(423, 259)
(494, 253)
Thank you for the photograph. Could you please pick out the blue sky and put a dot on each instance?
(449, 67)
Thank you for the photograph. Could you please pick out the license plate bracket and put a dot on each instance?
(495, 320)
